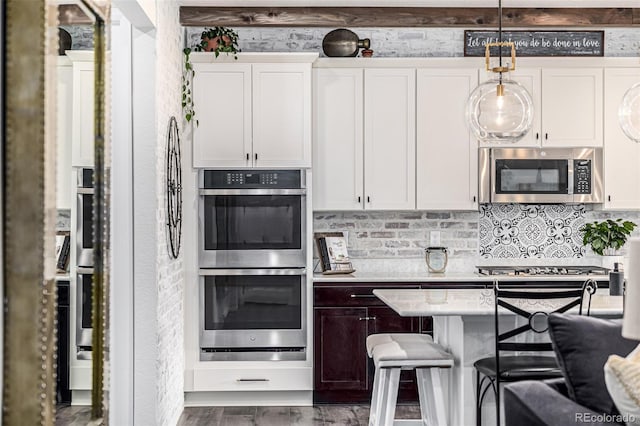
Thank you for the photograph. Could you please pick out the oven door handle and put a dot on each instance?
(282, 271)
(297, 191)
(87, 191)
(84, 270)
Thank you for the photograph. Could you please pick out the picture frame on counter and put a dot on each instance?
(332, 253)
(63, 248)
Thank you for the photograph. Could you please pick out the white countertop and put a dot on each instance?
(413, 302)
(426, 277)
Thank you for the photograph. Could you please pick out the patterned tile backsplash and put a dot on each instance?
(528, 230)
(497, 232)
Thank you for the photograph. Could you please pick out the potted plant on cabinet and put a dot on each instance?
(606, 238)
(216, 40)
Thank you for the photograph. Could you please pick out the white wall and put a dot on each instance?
(158, 319)
(170, 276)
(121, 326)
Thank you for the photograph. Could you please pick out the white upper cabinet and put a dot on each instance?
(252, 114)
(567, 106)
(621, 155)
(338, 150)
(530, 78)
(389, 138)
(82, 132)
(364, 139)
(64, 129)
(282, 115)
(572, 107)
(447, 154)
(222, 101)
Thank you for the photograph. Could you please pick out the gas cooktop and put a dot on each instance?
(542, 270)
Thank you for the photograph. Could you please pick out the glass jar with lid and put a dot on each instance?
(437, 258)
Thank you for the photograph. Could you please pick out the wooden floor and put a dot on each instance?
(320, 415)
(73, 415)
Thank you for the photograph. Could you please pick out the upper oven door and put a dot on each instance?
(84, 218)
(252, 228)
(532, 176)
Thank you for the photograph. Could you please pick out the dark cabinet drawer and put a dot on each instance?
(352, 295)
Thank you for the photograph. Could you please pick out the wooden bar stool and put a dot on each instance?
(393, 353)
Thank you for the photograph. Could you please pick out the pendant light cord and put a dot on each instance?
(500, 35)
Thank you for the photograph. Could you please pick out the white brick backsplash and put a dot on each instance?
(170, 272)
(390, 42)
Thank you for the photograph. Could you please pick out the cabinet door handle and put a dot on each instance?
(474, 198)
(256, 156)
(368, 199)
(367, 319)
(546, 136)
(363, 296)
(252, 380)
(537, 135)
(247, 156)
(358, 199)
(609, 198)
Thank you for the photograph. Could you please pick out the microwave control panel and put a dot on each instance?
(243, 179)
(582, 176)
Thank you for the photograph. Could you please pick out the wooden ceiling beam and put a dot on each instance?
(406, 17)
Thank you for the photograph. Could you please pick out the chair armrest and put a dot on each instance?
(533, 403)
(558, 385)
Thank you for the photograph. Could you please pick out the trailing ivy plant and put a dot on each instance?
(608, 235)
(187, 96)
(227, 42)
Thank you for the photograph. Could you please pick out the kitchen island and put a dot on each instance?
(346, 311)
(463, 323)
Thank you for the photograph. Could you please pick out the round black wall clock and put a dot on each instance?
(174, 189)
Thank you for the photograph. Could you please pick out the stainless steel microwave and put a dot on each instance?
(540, 175)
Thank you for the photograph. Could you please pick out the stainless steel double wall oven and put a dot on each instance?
(252, 258)
(84, 262)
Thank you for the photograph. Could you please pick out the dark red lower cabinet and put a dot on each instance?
(343, 373)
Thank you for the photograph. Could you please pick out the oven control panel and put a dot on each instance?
(244, 179)
(582, 176)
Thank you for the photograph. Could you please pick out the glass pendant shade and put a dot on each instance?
(500, 112)
(629, 113)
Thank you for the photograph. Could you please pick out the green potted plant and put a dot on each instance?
(608, 236)
(216, 40)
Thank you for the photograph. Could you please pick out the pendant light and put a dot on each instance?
(629, 113)
(500, 110)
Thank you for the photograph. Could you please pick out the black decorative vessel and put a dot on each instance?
(343, 43)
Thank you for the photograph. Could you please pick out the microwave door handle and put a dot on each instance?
(570, 177)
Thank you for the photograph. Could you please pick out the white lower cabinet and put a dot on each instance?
(364, 144)
(447, 154)
(621, 155)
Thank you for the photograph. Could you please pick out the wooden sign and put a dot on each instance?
(538, 43)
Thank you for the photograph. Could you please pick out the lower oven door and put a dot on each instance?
(84, 289)
(253, 309)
